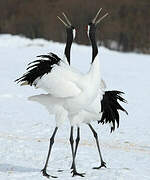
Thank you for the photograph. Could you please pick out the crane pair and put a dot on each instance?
(81, 98)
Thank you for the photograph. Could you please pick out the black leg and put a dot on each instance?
(49, 152)
(71, 143)
(103, 164)
(73, 167)
(72, 147)
(77, 141)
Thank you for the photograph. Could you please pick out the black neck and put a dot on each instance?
(94, 44)
(68, 44)
(67, 51)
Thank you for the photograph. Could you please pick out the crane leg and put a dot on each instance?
(74, 152)
(49, 152)
(72, 144)
(103, 164)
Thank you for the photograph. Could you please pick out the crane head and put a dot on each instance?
(91, 27)
(69, 28)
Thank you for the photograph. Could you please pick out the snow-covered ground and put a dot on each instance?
(25, 127)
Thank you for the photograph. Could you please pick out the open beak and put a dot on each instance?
(67, 23)
(100, 19)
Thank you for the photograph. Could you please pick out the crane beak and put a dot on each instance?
(100, 19)
(67, 23)
(93, 21)
(62, 21)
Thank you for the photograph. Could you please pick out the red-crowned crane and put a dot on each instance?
(69, 90)
(105, 108)
(80, 97)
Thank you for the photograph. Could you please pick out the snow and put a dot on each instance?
(25, 127)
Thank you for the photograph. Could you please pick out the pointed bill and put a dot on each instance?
(66, 18)
(93, 21)
(101, 18)
(62, 21)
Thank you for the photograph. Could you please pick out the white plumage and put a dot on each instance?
(56, 106)
(81, 98)
(53, 105)
(61, 82)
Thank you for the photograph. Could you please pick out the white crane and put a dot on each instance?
(72, 94)
(105, 108)
(60, 69)
(69, 90)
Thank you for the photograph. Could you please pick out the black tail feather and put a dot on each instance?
(38, 68)
(110, 108)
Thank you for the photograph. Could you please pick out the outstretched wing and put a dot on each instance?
(38, 68)
(53, 106)
(51, 74)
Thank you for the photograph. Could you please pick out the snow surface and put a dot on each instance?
(25, 127)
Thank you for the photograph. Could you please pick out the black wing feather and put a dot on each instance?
(38, 68)
(110, 108)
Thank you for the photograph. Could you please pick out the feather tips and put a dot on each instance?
(38, 68)
(110, 108)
